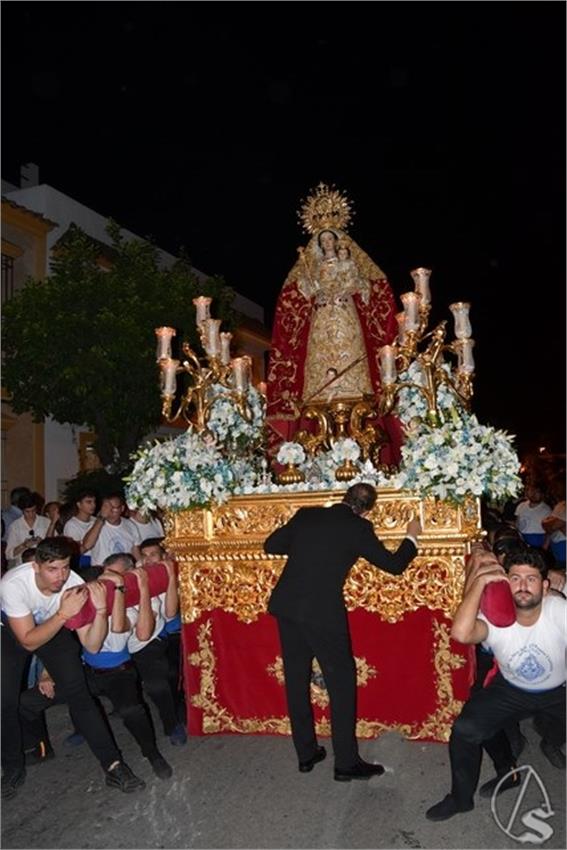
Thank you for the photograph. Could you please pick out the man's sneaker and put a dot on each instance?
(40, 753)
(11, 781)
(179, 736)
(120, 776)
(74, 740)
(159, 766)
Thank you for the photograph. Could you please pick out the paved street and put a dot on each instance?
(246, 792)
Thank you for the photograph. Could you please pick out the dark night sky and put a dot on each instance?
(444, 123)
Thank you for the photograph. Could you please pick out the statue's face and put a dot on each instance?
(327, 240)
(343, 253)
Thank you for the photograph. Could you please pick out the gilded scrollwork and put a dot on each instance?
(225, 566)
(217, 719)
(438, 725)
(319, 694)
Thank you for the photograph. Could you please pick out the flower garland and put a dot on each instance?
(226, 423)
(458, 459)
(187, 472)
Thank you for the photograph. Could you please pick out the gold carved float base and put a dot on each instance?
(223, 565)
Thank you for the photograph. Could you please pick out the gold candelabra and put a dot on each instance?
(204, 373)
(412, 334)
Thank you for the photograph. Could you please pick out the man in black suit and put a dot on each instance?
(322, 544)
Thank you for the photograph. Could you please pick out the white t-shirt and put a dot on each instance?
(113, 540)
(528, 518)
(158, 607)
(559, 512)
(76, 528)
(153, 528)
(20, 595)
(117, 641)
(20, 531)
(533, 657)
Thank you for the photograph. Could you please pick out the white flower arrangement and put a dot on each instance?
(185, 472)
(458, 459)
(227, 424)
(345, 449)
(291, 453)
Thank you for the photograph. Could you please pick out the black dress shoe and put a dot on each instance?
(361, 770)
(487, 789)
(307, 766)
(446, 809)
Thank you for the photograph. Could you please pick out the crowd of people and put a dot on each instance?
(56, 560)
(51, 566)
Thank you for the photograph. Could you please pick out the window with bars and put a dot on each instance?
(7, 277)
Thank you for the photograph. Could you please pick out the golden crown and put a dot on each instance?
(325, 208)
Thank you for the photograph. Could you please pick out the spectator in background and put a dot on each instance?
(78, 526)
(529, 516)
(111, 533)
(9, 515)
(148, 525)
(554, 524)
(52, 511)
(29, 530)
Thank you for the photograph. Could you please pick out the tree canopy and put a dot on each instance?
(80, 346)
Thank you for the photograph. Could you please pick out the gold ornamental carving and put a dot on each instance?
(319, 694)
(222, 563)
(216, 718)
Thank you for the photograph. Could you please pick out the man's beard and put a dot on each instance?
(527, 600)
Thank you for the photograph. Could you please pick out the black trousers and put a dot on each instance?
(488, 711)
(498, 747)
(301, 642)
(120, 685)
(176, 678)
(61, 657)
(152, 665)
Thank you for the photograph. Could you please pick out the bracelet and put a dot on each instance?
(63, 617)
(120, 587)
(101, 518)
(101, 611)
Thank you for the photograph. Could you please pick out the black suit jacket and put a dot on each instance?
(322, 544)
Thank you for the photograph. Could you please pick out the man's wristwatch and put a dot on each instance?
(101, 518)
(120, 587)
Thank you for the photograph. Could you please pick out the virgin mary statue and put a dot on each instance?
(335, 311)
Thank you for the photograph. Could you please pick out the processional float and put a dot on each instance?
(336, 317)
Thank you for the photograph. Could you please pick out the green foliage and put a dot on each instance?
(80, 346)
(102, 482)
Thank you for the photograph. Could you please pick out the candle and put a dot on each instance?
(421, 279)
(212, 337)
(240, 369)
(411, 310)
(164, 336)
(225, 338)
(203, 306)
(401, 320)
(388, 364)
(460, 311)
(169, 376)
(465, 355)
